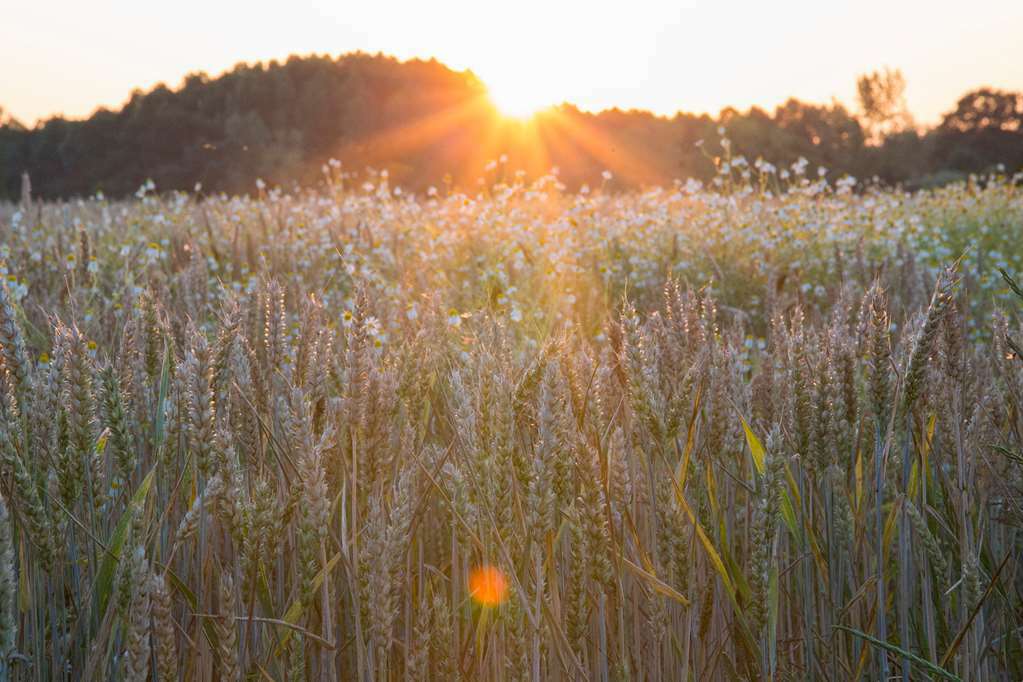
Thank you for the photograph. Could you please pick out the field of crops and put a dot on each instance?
(768, 429)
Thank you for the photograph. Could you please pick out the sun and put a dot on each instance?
(516, 100)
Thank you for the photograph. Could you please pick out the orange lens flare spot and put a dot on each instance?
(488, 586)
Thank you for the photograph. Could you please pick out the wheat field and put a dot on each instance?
(768, 429)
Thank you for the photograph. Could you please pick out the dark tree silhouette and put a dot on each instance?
(424, 122)
(882, 99)
(986, 109)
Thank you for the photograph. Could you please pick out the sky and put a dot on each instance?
(64, 57)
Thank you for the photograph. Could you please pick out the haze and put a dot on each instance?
(69, 58)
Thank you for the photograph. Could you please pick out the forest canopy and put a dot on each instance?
(428, 125)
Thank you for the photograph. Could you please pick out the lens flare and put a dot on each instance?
(488, 586)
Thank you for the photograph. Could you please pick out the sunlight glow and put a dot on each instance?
(516, 100)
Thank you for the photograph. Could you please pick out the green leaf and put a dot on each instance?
(708, 545)
(772, 619)
(682, 472)
(1016, 457)
(1011, 282)
(295, 611)
(105, 576)
(158, 418)
(788, 514)
(976, 609)
(101, 442)
(656, 583)
(24, 584)
(923, 663)
(207, 623)
(755, 448)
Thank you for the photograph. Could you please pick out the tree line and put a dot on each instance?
(428, 125)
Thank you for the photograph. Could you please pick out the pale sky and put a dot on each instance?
(63, 56)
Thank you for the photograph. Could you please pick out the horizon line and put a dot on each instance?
(271, 61)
